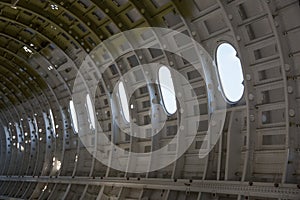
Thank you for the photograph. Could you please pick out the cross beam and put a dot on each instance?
(257, 189)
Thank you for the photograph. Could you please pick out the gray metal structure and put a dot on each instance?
(44, 42)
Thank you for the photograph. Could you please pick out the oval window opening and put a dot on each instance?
(167, 90)
(91, 114)
(73, 116)
(52, 121)
(230, 72)
(124, 102)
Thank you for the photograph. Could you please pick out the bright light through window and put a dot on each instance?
(90, 110)
(230, 72)
(124, 101)
(26, 49)
(73, 116)
(44, 189)
(56, 164)
(54, 7)
(167, 90)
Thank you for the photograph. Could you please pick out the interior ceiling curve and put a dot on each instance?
(50, 50)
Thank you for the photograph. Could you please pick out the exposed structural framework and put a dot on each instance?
(50, 146)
